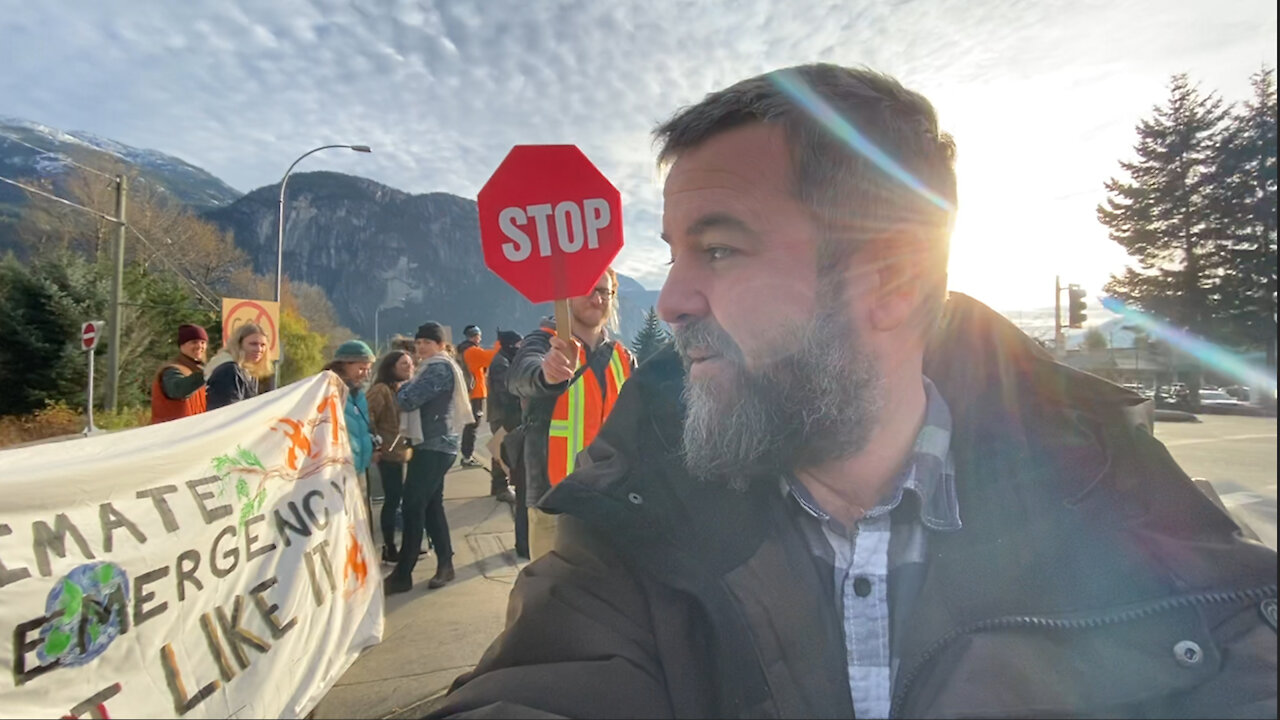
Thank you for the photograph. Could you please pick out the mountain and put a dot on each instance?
(186, 182)
(410, 258)
(1038, 323)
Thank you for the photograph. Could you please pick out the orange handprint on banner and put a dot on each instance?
(355, 563)
(299, 443)
(330, 403)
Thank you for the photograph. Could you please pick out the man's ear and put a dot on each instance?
(898, 258)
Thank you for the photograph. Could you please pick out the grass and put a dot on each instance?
(57, 419)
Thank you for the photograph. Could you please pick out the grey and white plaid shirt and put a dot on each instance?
(877, 565)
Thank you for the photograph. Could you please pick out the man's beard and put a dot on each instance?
(817, 402)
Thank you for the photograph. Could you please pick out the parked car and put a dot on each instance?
(1167, 399)
(1219, 402)
(1238, 392)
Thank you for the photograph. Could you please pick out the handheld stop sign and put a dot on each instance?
(550, 225)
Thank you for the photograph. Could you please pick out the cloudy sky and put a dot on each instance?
(1042, 96)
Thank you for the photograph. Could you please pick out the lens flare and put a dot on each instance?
(1212, 357)
(799, 91)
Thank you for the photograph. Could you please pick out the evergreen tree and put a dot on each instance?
(651, 337)
(1163, 213)
(1245, 213)
(44, 306)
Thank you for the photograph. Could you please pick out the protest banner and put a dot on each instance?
(216, 566)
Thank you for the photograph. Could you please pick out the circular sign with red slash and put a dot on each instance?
(259, 312)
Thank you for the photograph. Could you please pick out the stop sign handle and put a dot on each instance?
(564, 321)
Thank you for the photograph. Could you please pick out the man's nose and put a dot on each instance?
(682, 299)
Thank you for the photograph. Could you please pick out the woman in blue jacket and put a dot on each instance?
(352, 362)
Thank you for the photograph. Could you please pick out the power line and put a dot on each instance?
(68, 160)
(194, 286)
(58, 199)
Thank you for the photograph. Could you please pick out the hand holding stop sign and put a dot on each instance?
(559, 365)
(550, 225)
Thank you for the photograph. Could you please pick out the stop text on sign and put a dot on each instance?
(550, 222)
(575, 227)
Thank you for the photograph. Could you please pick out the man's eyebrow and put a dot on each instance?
(715, 221)
(719, 221)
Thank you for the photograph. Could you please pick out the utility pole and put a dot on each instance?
(117, 289)
(1058, 340)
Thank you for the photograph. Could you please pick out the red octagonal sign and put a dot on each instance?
(550, 222)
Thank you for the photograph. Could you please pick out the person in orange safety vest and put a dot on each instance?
(178, 389)
(567, 390)
(474, 361)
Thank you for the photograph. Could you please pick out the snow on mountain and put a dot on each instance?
(188, 183)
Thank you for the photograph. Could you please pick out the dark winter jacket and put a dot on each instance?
(1091, 577)
(525, 381)
(229, 383)
(504, 407)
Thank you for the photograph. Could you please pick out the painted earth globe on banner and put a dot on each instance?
(89, 606)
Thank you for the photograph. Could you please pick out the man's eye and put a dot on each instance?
(718, 253)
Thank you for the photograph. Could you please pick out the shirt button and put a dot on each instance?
(861, 586)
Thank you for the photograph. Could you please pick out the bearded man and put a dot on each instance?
(847, 494)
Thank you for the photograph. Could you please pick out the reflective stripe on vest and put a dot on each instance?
(581, 410)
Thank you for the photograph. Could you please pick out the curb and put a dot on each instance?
(1165, 415)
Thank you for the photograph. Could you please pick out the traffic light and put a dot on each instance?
(1075, 306)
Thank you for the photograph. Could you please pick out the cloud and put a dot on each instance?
(442, 90)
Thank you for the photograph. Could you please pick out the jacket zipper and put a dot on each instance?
(1048, 623)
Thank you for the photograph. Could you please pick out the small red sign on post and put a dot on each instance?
(89, 334)
(550, 222)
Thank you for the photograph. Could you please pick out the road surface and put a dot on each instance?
(1237, 455)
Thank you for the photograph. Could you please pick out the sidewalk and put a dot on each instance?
(432, 636)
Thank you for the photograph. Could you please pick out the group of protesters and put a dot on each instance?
(545, 398)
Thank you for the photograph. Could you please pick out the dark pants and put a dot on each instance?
(513, 454)
(424, 505)
(497, 476)
(522, 516)
(469, 432)
(392, 491)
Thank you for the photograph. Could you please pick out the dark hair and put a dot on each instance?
(387, 367)
(855, 197)
(430, 331)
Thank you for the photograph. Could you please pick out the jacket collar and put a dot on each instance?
(1041, 450)
(187, 362)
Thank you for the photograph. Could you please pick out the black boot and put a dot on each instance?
(389, 554)
(395, 584)
(444, 575)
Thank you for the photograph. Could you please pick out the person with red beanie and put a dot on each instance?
(178, 389)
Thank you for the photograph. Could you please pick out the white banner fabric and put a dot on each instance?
(217, 566)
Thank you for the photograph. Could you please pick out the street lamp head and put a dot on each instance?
(361, 148)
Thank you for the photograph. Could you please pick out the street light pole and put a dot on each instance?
(280, 231)
(377, 337)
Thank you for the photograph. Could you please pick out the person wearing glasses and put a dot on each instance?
(568, 390)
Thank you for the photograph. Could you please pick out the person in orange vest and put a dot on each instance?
(474, 361)
(178, 389)
(568, 390)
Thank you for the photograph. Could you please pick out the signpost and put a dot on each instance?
(550, 225)
(90, 333)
